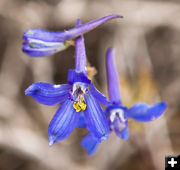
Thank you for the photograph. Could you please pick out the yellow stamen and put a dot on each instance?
(83, 106)
(78, 106)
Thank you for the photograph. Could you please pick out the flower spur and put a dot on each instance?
(78, 97)
(117, 114)
(38, 42)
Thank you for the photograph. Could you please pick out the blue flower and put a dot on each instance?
(78, 97)
(38, 42)
(118, 114)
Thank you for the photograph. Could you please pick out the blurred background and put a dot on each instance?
(147, 45)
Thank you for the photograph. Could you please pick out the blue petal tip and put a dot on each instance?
(51, 143)
(120, 16)
(51, 140)
(30, 90)
(104, 137)
(164, 104)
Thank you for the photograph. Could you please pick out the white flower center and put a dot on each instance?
(119, 113)
(79, 89)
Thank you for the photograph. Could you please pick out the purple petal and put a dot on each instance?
(63, 122)
(80, 52)
(74, 76)
(39, 48)
(121, 132)
(90, 144)
(95, 118)
(81, 123)
(47, 93)
(112, 78)
(99, 96)
(40, 34)
(141, 112)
